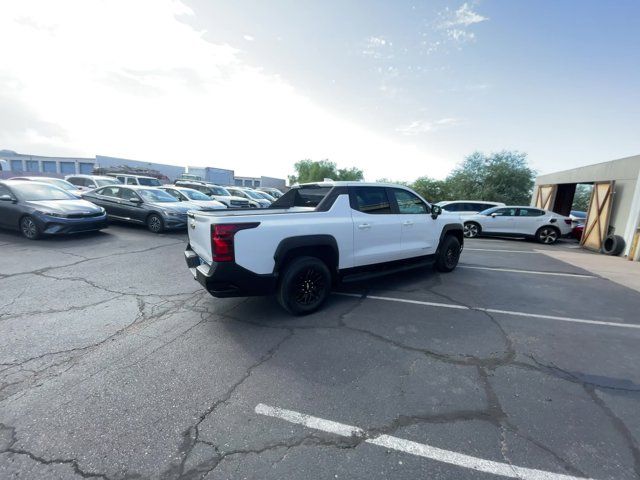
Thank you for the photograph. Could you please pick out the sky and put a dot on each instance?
(398, 89)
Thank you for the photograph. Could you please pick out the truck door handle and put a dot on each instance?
(408, 223)
(364, 226)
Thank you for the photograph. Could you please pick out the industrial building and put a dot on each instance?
(219, 176)
(615, 201)
(255, 182)
(19, 163)
(12, 164)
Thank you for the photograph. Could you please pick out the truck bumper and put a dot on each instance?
(228, 279)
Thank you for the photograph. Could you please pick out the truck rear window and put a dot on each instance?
(302, 197)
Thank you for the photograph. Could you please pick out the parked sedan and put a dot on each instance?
(543, 225)
(148, 206)
(36, 209)
(194, 197)
(58, 182)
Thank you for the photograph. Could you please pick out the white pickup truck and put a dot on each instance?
(316, 235)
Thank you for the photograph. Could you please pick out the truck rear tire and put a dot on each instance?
(304, 285)
(448, 254)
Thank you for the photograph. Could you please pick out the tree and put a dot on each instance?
(316, 171)
(502, 177)
(431, 189)
(582, 197)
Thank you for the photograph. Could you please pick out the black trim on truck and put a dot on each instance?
(315, 244)
(451, 229)
(228, 279)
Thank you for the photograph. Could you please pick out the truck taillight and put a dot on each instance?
(222, 239)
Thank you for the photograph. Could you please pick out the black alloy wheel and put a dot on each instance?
(304, 285)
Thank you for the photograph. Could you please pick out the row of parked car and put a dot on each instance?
(39, 206)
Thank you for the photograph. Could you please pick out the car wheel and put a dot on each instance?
(547, 235)
(29, 228)
(155, 223)
(471, 230)
(304, 285)
(448, 254)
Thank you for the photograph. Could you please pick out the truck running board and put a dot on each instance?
(381, 270)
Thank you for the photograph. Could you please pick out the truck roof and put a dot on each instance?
(348, 184)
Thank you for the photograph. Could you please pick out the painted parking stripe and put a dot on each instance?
(493, 310)
(501, 250)
(405, 300)
(413, 448)
(531, 272)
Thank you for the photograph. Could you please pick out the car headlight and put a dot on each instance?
(172, 213)
(51, 214)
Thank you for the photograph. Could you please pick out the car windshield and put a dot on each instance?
(488, 211)
(266, 196)
(156, 196)
(41, 191)
(253, 195)
(58, 182)
(579, 214)
(149, 182)
(195, 195)
(103, 182)
(220, 191)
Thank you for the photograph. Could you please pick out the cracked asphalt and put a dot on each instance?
(115, 364)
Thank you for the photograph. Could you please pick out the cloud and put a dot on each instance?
(463, 17)
(419, 127)
(455, 24)
(377, 47)
(134, 79)
(248, 38)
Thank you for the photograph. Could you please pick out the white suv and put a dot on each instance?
(543, 225)
(89, 182)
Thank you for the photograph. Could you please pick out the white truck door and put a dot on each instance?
(419, 232)
(376, 230)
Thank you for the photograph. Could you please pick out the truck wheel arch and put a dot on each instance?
(324, 247)
(454, 229)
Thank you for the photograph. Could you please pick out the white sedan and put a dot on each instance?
(543, 225)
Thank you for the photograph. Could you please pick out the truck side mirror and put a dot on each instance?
(435, 211)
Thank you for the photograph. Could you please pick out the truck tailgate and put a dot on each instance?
(199, 229)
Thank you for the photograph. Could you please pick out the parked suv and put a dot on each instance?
(89, 182)
(216, 192)
(136, 180)
(543, 225)
(467, 207)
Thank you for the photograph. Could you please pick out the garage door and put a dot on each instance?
(67, 168)
(545, 196)
(597, 224)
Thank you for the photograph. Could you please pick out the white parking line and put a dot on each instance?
(493, 310)
(412, 448)
(507, 250)
(532, 272)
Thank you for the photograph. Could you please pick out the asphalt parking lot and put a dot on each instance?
(115, 364)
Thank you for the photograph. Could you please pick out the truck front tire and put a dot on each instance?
(304, 285)
(448, 254)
